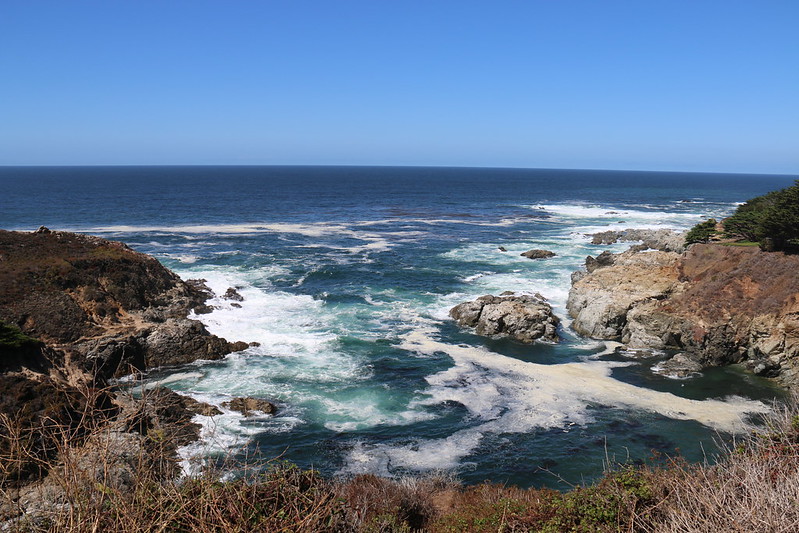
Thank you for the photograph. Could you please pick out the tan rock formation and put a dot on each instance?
(721, 304)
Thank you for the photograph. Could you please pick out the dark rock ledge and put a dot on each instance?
(76, 310)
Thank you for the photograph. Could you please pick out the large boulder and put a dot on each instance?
(523, 317)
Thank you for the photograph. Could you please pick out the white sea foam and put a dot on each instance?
(298, 363)
(506, 395)
(576, 211)
(374, 241)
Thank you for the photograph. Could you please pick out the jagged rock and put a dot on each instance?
(200, 408)
(605, 237)
(180, 341)
(233, 294)
(502, 249)
(525, 318)
(599, 302)
(719, 304)
(664, 240)
(537, 254)
(602, 260)
(111, 308)
(679, 366)
(247, 405)
(764, 367)
(161, 410)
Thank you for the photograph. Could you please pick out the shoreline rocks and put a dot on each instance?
(679, 366)
(600, 301)
(111, 309)
(718, 304)
(75, 311)
(525, 318)
(664, 240)
(248, 405)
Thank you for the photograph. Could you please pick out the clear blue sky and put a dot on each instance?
(658, 85)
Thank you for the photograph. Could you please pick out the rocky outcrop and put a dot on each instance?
(537, 254)
(719, 304)
(247, 406)
(111, 309)
(525, 318)
(601, 300)
(74, 311)
(664, 240)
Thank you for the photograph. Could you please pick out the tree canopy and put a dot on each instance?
(772, 220)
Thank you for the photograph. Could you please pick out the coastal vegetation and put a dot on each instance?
(702, 232)
(752, 486)
(771, 220)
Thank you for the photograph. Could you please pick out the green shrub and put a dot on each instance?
(702, 232)
(12, 337)
(772, 220)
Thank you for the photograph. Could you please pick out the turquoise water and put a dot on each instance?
(347, 276)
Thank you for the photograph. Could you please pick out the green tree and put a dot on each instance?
(747, 221)
(702, 232)
(780, 222)
(771, 220)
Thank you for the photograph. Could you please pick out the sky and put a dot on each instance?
(648, 85)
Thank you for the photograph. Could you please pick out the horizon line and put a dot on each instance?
(299, 165)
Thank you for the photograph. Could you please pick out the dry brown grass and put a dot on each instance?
(754, 487)
(111, 480)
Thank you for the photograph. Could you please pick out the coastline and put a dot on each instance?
(128, 421)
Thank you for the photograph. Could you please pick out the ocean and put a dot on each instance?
(347, 275)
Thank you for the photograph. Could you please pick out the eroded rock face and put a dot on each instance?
(719, 304)
(599, 302)
(525, 318)
(110, 308)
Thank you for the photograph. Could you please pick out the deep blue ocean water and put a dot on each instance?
(347, 275)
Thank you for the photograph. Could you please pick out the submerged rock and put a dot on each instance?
(679, 366)
(525, 318)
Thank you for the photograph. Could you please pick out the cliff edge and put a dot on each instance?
(110, 310)
(719, 304)
(76, 310)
